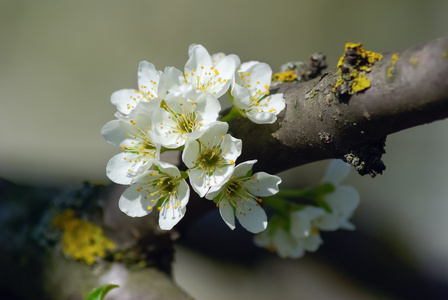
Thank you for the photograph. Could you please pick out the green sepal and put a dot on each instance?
(184, 174)
(163, 149)
(231, 98)
(101, 292)
(234, 113)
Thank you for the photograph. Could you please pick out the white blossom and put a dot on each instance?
(204, 74)
(343, 201)
(251, 93)
(211, 158)
(133, 134)
(151, 84)
(240, 197)
(301, 233)
(163, 189)
(180, 119)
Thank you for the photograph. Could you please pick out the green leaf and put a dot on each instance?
(101, 292)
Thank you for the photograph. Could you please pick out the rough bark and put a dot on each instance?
(317, 124)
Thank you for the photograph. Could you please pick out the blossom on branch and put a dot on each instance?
(251, 93)
(240, 197)
(162, 188)
(180, 119)
(133, 134)
(151, 84)
(211, 158)
(299, 231)
(204, 74)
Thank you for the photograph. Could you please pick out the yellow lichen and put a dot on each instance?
(370, 56)
(391, 69)
(286, 76)
(394, 58)
(313, 94)
(414, 61)
(444, 54)
(81, 240)
(360, 83)
(352, 71)
(338, 83)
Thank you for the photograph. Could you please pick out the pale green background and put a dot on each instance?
(61, 60)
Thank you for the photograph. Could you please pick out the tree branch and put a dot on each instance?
(408, 88)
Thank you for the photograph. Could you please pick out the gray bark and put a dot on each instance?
(410, 92)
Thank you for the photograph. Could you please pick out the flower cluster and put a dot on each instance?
(178, 111)
(297, 229)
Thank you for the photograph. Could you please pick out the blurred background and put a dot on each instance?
(61, 61)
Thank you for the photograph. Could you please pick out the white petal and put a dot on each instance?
(241, 97)
(243, 168)
(342, 202)
(227, 213)
(169, 217)
(312, 242)
(233, 148)
(283, 243)
(263, 184)
(260, 76)
(261, 117)
(214, 191)
(277, 102)
(199, 57)
(126, 99)
(263, 239)
(117, 168)
(336, 172)
(190, 153)
(115, 132)
(251, 216)
(301, 221)
(215, 131)
(168, 169)
(245, 66)
(131, 202)
(226, 68)
(161, 128)
(198, 181)
(208, 107)
(150, 80)
(174, 81)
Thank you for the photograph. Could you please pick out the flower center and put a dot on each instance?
(186, 122)
(143, 145)
(207, 82)
(210, 158)
(161, 189)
